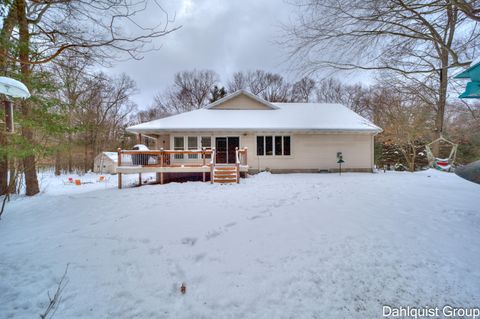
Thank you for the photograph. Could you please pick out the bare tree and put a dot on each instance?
(237, 82)
(255, 82)
(191, 90)
(46, 29)
(104, 27)
(303, 90)
(353, 96)
(406, 121)
(469, 8)
(103, 113)
(276, 88)
(151, 113)
(269, 86)
(71, 73)
(95, 107)
(415, 41)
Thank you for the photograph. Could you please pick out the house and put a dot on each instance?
(278, 137)
(105, 163)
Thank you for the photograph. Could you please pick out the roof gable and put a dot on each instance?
(241, 100)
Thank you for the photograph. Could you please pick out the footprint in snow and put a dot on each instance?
(199, 257)
(213, 234)
(155, 251)
(189, 241)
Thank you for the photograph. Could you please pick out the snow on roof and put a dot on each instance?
(111, 155)
(287, 117)
(140, 147)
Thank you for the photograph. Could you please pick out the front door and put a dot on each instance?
(225, 149)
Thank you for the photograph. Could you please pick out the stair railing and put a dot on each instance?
(237, 164)
(212, 164)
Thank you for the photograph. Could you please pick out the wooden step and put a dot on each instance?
(225, 168)
(222, 173)
(225, 174)
(224, 181)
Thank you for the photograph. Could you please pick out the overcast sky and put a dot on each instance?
(225, 36)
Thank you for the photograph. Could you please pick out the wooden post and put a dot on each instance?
(237, 164)
(9, 116)
(203, 166)
(212, 165)
(119, 163)
(139, 179)
(139, 138)
(162, 155)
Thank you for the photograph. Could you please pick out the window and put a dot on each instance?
(260, 146)
(178, 145)
(206, 141)
(278, 145)
(286, 145)
(273, 145)
(192, 142)
(268, 145)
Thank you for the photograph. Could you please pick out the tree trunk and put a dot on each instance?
(70, 158)
(58, 163)
(85, 155)
(29, 166)
(442, 101)
(6, 31)
(3, 165)
(12, 177)
(412, 163)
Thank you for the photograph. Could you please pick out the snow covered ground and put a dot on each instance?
(274, 246)
(61, 185)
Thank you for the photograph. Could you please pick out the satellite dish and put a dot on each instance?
(13, 88)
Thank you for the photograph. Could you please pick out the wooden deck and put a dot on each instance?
(170, 169)
(179, 161)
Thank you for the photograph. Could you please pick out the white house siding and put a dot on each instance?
(309, 152)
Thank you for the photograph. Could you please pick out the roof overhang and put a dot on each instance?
(254, 130)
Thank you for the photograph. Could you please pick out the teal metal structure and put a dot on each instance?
(472, 91)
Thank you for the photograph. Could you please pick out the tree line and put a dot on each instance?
(36, 37)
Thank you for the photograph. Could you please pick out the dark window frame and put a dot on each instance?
(285, 145)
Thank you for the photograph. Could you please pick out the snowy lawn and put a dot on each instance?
(274, 246)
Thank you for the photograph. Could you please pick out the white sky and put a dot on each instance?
(225, 36)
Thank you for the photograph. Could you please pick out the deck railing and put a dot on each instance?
(175, 158)
(241, 154)
(165, 158)
(200, 158)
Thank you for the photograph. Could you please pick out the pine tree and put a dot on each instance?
(217, 93)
